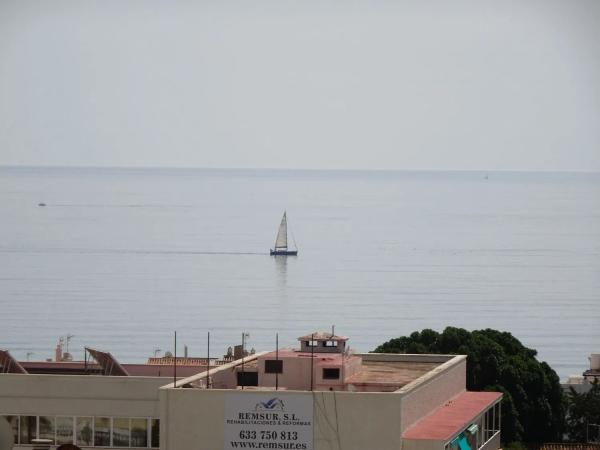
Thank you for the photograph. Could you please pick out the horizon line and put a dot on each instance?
(302, 169)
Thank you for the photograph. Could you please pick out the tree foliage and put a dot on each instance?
(532, 405)
(583, 409)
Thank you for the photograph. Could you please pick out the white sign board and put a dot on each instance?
(268, 420)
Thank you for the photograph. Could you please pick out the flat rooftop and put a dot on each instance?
(387, 375)
(362, 372)
(390, 375)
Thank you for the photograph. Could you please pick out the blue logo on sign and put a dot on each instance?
(275, 404)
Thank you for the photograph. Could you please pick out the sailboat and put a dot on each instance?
(281, 242)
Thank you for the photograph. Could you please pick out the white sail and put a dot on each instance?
(281, 241)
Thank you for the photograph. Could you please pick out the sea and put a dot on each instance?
(120, 259)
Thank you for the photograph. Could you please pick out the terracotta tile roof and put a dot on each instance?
(453, 417)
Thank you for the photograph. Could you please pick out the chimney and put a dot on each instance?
(185, 351)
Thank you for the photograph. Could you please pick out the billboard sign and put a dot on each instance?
(268, 420)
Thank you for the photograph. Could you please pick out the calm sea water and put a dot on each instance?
(121, 258)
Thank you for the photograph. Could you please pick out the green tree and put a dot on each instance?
(583, 409)
(532, 405)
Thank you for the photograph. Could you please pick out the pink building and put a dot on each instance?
(323, 362)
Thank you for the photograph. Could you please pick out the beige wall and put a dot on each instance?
(194, 418)
(79, 395)
(356, 421)
(223, 379)
(296, 372)
(295, 376)
(424, 395)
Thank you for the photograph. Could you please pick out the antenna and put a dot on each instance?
(67, 340)
(207, 360)
(28, 355)
(157, 351)
(175, 362)
(332, 330)
(244, 336)
(277, 359)
(312, 361)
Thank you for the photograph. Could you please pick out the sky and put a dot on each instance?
(317, 84)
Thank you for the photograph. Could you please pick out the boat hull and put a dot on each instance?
(284, 252)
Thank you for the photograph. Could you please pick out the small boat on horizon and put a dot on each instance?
(281, 242)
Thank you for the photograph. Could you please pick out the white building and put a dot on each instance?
(357, 402)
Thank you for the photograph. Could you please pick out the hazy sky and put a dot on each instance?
(301, 84)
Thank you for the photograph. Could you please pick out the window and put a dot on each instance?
(102, 431)
(330, 343)
(85, 431)
(497, 416)
(139, 432)
(491, 422)
(331, 374)
(123, 432)
(28, 429)
(247, 378)
(311, 343)
(47, 428)
(471, 434)
(155, 433)
(273, 366)
(64, 430)
(120, 432)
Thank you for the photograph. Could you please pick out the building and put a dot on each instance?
(321, 396)
(583, 383)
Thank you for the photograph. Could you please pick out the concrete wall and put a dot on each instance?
(321, 348)
(356, 421)
(296, 372)
(79, 395)
(223, 378)
(295, 376)
(425, 394)
(193, 419)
